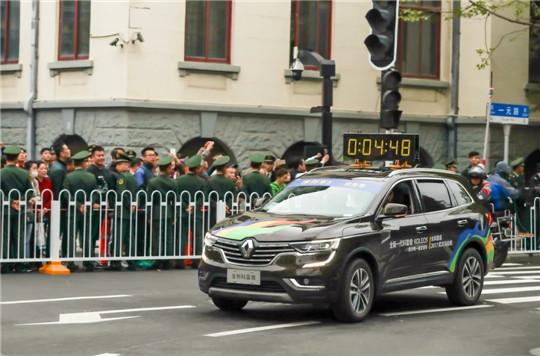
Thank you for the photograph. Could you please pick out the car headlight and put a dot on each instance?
(209, 239)
(316, 246)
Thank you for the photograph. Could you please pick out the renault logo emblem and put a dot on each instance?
(247, 248)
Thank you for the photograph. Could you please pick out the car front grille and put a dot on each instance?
(263, 253)
(265, 286)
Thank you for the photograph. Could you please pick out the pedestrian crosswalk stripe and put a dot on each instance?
(520, 268)
(527, 277)
(508, 290)
(512, 264)
(426, 311)
(535, 298)
(511, 290)
(510, 281)
(510, 273)
(493, 275)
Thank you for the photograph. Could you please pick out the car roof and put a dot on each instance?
(346, 172)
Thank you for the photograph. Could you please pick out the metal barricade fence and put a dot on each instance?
(527, 241)
(106, 226)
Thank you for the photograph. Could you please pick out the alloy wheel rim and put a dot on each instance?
(471, 277)
(360, 290)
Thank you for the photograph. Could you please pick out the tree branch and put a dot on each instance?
(509, 19)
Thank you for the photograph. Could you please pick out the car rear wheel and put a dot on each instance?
(229, 304)
(355, 297)
(468, 280)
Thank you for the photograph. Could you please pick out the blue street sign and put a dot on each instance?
(509, 114)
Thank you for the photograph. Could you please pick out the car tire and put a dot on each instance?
(468, 279)
(229, 304)
(356, 294)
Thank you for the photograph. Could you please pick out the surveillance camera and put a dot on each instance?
(297, 68)
(114, 42)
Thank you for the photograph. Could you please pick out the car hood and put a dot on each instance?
(274, 228)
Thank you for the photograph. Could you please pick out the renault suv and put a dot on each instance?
(342, 236)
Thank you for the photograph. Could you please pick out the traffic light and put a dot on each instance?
(382, 42)
(390, 113)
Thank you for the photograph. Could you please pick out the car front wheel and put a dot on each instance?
(468, 280)
(229, 304)
(356, 295)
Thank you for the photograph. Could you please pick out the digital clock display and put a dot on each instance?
(381, 147)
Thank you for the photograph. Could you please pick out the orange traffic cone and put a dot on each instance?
(55, 268)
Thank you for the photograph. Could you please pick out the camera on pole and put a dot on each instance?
(390, 99)
(383, 19)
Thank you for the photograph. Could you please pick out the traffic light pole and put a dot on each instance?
(327, 71)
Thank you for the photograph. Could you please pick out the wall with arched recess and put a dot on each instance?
(301, 149)
(530, 163)
(426, 161)
(75, 142)
(192, 146)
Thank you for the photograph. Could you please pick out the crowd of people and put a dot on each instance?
(60, 175)
(504, 189)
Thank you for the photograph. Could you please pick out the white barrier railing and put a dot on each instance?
(106, 226)
(526, 241)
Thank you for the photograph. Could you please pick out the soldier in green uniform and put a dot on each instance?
(80, 184)
(162, 192)
(57, 173)
(15, 184)
(222, 185)
(124, 238)
(517, 177)
(192, 215)
(255, 182)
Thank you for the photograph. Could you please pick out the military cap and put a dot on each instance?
(194, 162)
(131, 154)
(165, 161)
(517, 162)
(269, 159)
(452, 163)
(120, 157)
(12, 150)
(81, 155)
(256, 158)
(312, 162)
(221, 161)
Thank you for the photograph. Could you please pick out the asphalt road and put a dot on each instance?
(163, 313)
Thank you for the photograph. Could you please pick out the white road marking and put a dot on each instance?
(262, 328)
(527, 277)
(516, 268)
(508, 290)
(108, 354)
(535, 298)
(65, 299)
(512, 264)
(510, 281)
(509, 273)
(95, 317)
(426, 311)
(493, 275)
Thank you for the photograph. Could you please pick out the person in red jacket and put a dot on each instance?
(46, 190)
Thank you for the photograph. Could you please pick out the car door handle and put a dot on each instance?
(462, 222)
(421, 229)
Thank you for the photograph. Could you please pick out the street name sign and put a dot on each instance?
(509, 114)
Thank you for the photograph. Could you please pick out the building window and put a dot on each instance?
(534, 44)
(10, 31)
(74, 33)
(208, 31)
(419, 41)
(311, 24)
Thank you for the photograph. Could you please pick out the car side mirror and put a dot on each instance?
(261, 201)
(394, 210)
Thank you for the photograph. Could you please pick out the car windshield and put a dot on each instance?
(331, 197)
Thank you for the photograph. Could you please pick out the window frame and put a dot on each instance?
(5, 27)
(455, 199)
(441, 181)
(401, 43)
(76, 55)
(415, 192)
(206, 59)
(317, 38)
